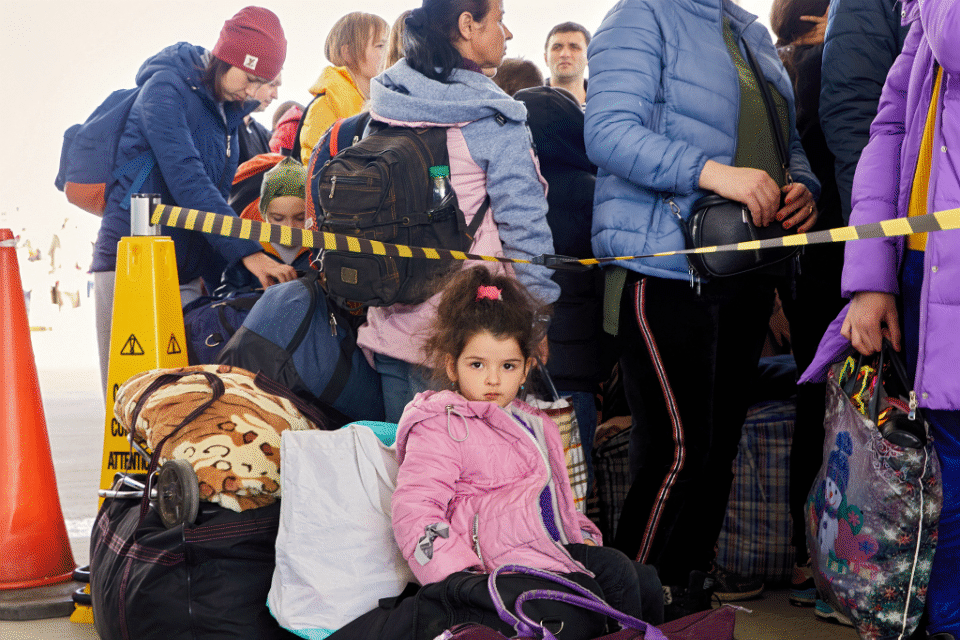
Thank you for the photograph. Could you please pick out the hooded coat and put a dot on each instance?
(195, 145)
(863, 39)
(337, 96)
(578, 347)
(491, 153)
(472, 467)
(881, 191)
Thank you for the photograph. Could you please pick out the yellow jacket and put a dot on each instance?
(339, 97)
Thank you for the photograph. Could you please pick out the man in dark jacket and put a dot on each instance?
(580, 358)
(863, 39)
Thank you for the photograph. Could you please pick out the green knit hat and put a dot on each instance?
(288, 178)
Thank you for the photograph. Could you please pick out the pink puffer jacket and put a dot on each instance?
(469, 485)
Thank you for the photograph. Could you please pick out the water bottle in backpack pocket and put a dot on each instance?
(381, 189)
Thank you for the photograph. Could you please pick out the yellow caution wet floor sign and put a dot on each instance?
(147, 333)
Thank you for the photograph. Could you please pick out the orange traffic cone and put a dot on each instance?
(33, 537)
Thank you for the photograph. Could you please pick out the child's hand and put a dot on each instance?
(589, 542)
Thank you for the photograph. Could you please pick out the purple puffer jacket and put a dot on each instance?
(881, 191)
(469, 485)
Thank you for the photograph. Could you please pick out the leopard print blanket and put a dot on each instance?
(234, 446)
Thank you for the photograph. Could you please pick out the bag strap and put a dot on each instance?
(341, 371)
(244, 303)
(335, 136)
(143, 164)
(309, 280)
(218, 389)
(593, 603)
(772, 115)
(889, 354)
(586, 599)
(478, 217)
(542, 368)
(297, 147)
(505, 614)
(323, 421)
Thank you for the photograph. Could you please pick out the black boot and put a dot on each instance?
(682, 601)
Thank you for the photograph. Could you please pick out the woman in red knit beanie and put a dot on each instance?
(183, 127)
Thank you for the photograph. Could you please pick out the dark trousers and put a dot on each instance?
(811, 301)
(688, 363)
(629, 587)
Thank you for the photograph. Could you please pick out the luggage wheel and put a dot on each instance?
(178, 493)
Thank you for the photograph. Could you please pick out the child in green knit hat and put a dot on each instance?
(283, 201)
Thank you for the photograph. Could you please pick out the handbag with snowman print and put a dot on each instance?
(873, 509)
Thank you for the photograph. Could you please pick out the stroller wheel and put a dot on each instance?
(178, 493)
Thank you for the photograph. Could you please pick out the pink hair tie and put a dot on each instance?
(488, 293)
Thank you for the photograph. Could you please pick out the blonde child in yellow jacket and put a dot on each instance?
(355, 46)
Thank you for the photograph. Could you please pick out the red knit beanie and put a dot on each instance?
(253, 41)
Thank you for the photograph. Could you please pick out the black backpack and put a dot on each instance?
(380, 189)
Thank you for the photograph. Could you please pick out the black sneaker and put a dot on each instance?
(682, 601)
(732, 587)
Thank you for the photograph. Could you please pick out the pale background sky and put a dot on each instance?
(61, 59)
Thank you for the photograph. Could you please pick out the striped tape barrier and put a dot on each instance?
(234, 227)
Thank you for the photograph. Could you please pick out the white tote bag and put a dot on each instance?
(336, 554)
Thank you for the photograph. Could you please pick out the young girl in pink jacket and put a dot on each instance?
(483, 480)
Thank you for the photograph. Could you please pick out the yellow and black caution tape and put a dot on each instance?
(234, 227)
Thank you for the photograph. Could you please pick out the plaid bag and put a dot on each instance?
(562, 412)
(611, 469)
(756, 534)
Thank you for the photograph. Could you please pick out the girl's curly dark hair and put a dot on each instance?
(461, 316)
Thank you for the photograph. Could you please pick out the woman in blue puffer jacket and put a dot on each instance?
(674, 111)
(186, 115)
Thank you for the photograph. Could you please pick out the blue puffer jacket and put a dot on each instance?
(196, 150)
(664, 97)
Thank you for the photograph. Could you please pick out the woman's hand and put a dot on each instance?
(817, 32)
(871, 318)
(267, 270)
(798, 208)
(752, 187)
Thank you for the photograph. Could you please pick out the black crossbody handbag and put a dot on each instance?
(716, 220)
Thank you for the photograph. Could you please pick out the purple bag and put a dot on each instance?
(714, 624)
(528, 628)
(471, 631)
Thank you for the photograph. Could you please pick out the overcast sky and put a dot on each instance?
(61, 59)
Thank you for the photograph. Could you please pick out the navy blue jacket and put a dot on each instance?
(196, 150)
(863, 39)
(580, 356)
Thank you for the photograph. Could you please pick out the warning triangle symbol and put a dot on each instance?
(173, 347)
(132, 347)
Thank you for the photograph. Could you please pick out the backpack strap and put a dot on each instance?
(297, 147)
(309, 280)
(341, 371)
(143, 164)
(335, 137)
(478, 217)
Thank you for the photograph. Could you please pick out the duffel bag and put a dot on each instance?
(464, 597)
(205, 580)
(209, 322)
(296, 336)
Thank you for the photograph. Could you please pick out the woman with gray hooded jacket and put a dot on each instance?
(440, 83)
